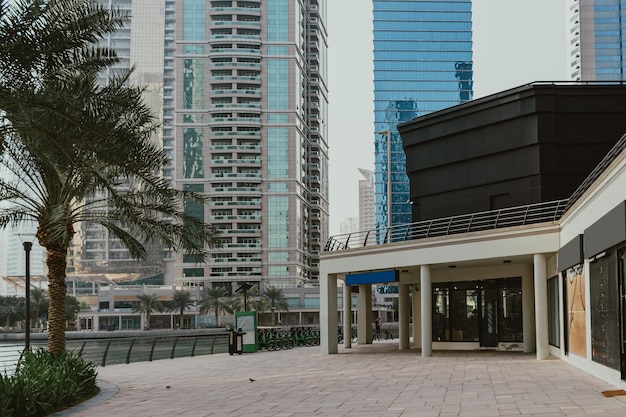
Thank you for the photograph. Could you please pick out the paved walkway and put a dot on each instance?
(365, 381)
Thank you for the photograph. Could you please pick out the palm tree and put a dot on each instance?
(246, 295)
(11, 309)
(147, 304)
(38, 303)
(72, 307)
(276, 301)
(215, 299)
(181, 300)
(78, 151)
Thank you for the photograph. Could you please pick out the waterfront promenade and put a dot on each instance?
(364, 381)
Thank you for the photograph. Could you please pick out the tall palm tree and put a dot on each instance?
(147, 304)
(276, 300)
(181, 300)
(215, 299)
(78, 151)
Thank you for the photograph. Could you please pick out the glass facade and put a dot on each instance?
(598, 29)
(422, 63)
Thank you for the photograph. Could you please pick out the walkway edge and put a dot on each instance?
(107, 391)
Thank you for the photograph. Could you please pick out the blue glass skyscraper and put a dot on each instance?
(422, 63)
(598, 40)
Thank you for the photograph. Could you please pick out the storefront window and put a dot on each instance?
(553, 312)
(487, 311)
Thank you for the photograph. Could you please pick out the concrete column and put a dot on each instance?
(347, 316)
(404, 315)
(528, 310)
(427, 311)
(417, 319)
(541, 306)
(95, 324)
(364, 315)
(328, 314)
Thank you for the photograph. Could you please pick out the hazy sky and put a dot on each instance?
(515, 42)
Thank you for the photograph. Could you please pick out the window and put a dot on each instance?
(554, 328)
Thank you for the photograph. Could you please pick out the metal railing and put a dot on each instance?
(125, 350)
(465, 223)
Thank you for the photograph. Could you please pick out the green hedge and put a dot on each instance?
(44, 383)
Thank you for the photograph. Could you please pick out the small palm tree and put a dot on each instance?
(11, 309)
(215, 299)
(181, 300)
(276, 300)
(147, 304)
(72, 307)
(246, 294)
(38, 304)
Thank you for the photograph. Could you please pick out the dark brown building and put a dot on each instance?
(530, 144)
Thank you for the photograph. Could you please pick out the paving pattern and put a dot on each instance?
(364, 381)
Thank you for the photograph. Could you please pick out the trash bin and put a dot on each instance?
(235, 341)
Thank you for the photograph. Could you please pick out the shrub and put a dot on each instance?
(45, 382)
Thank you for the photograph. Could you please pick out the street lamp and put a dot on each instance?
(244, 287)
(28, 245)
(389, 207)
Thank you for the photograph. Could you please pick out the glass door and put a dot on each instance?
(489, 317)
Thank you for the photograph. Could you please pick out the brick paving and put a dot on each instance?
(364, 381)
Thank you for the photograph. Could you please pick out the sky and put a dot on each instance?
(514, 44)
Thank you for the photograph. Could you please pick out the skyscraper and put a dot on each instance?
(422, 63)
(96, 254)
(597, 47)
(241, 89)
(249, 118)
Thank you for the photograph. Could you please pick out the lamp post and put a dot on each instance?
(244, 287)
(27, 248)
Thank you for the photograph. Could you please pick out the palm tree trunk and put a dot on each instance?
(56, 292)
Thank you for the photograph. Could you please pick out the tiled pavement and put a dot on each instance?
(371, 380)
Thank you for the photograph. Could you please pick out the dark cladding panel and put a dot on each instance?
(608, 231)
(571, 254)
(530, 144)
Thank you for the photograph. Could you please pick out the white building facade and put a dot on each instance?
(555, 287)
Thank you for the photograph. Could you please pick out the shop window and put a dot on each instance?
(554, 328)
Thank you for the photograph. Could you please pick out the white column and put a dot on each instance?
(417, 318)
(404, 315)
(541, 306)
(427, 311)
(528, 310)
(364, 315)
(328, 313)
(347, 316)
